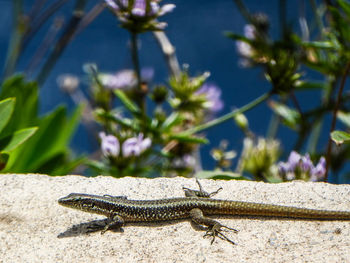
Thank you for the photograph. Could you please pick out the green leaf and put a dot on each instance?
(340, 137)
(219, 175)
(54, 135)
(235, 36)
(51, 139)
(345, 6)
(130, 105)
(320, 44)
(305, 85)
(344, 118)
(172, 120)
(54, 165)
(340, 22)
(189, 139)
(48, 148)
(25, 112)
(125, 122)
(273, 179)
(70, 166)
(3, 160)
(290, 116)
(99, 167)
(12, 141)
(6, 109)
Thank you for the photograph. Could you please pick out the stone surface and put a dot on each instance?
(31, 221)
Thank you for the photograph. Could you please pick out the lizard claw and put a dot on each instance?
(216, 231)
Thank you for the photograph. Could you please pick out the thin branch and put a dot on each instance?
(16, 39)
(45, 45)
(283, 18)
(304, 28)
(318, 18)
(336, 107)
(90, 16)
(136, 62)
(244, 11)
(36, 8)
(62, 43)
(169, 53)
(40, 21)
(227, 116)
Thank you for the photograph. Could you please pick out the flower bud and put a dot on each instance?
(241, 121)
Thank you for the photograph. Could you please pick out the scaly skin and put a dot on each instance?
(178, 208)
(197, 205)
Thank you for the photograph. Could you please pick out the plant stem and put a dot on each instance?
(135, 60)
(39, 21)
(314, 136)
(273, 126)
(44, 46)
(90, 16)
(62, 43)
(243, 10)
(282, 18)
(318, 17)
(169, 53)
(228, 116)
(16, 39)
(336, 107)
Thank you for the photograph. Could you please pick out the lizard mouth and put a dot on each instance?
(70, 200)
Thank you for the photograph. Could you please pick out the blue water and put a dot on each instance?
(196, 30)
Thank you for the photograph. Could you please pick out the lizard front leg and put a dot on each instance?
(199, 193)
(214, 227)
(116, 222)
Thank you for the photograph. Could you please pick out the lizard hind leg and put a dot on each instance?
(199, 193)
(215, 229)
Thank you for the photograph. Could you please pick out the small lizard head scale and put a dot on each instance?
(82, 202)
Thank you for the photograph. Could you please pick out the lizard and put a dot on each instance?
(197, 205)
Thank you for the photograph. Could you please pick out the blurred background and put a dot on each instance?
(196, 29)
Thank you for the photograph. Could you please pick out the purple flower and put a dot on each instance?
(125, 79)
(117, 4)
(186, 161)
(250, 31)
(166, 9)
(293, 160)
(139, 9)
(135, 146)
(318, 173)
(283, 168)
(291, 164)
(244, 49)
(212, 94)
(109, 145)
(246, 52)
(302, 164)
(306, 164)
(111, 4)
